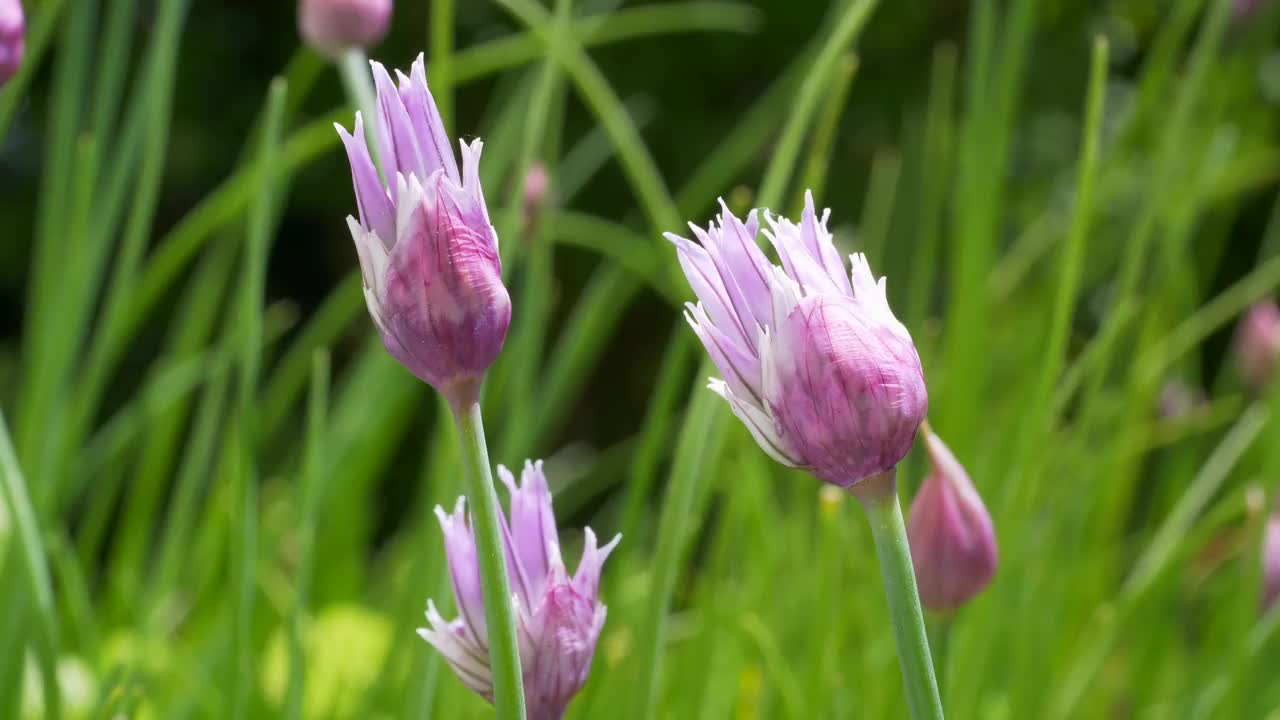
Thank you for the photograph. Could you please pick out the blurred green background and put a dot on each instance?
(228, 532)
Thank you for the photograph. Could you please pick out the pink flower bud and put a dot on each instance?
(428, 253)
(1271, 562)
(953, 545)
(814, 362)
(537, 185)
(1258, 343)
(332, 26)
(558, 617)
(12, 33)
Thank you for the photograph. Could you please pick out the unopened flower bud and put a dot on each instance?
(1271, 562)
(559, 616)
(537, 186)
(1258, 343)
(13, 30)
(428, 253)
(332, 26)
(953, 544)
(814, 362)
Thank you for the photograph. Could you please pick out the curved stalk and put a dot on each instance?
(879, 497)
(499, 611)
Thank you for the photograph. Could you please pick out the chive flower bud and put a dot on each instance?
(1271, 562)
(428, 253)
(537, 188)
(13, 29)
(813, 361)
(558, 617)
(333, 26)
(1258, 343)
(953, 544)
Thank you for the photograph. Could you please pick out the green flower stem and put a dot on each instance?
(499, 615)
(940, 643)
(879, 497)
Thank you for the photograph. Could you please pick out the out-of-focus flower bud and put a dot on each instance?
(537, 188)
(13, 30)
(332, 26)
(1271, 562)
(953, 544)
(1258, 343)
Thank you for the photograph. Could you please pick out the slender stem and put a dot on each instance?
(941, 645)
(504, 655)
(880, 499)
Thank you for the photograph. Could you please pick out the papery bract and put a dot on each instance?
(559, 617)
(428, 253)
(813, 361)
(953, 543)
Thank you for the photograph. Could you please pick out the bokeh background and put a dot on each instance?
(946, 139)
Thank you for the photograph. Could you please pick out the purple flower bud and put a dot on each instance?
(537, 185)
(332, 26)
(814, 362)
(1258, 343)
(559, 617)
(1271, 562)
(953, 545)
(428, 253)
(12, 32)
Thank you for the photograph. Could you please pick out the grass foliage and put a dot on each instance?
(206, 533)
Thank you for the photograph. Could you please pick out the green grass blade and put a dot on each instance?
(821, 75)
(494, 56)
(696, 457)
(244, 549)
(821, 150)
(312, 481)
(35, 567)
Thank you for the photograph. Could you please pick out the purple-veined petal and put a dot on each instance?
(471, 181)
(521, 584)
(428, 126)
(586, 579)
(739, 366)
(800, 265)
(451, 639)
(757, 421)
(708, 286)
(464, 572)
(373, 256)
(814, 235)
(742, 263)
(376, 212)
(713, 241)
(396, 139)
(533, 525)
